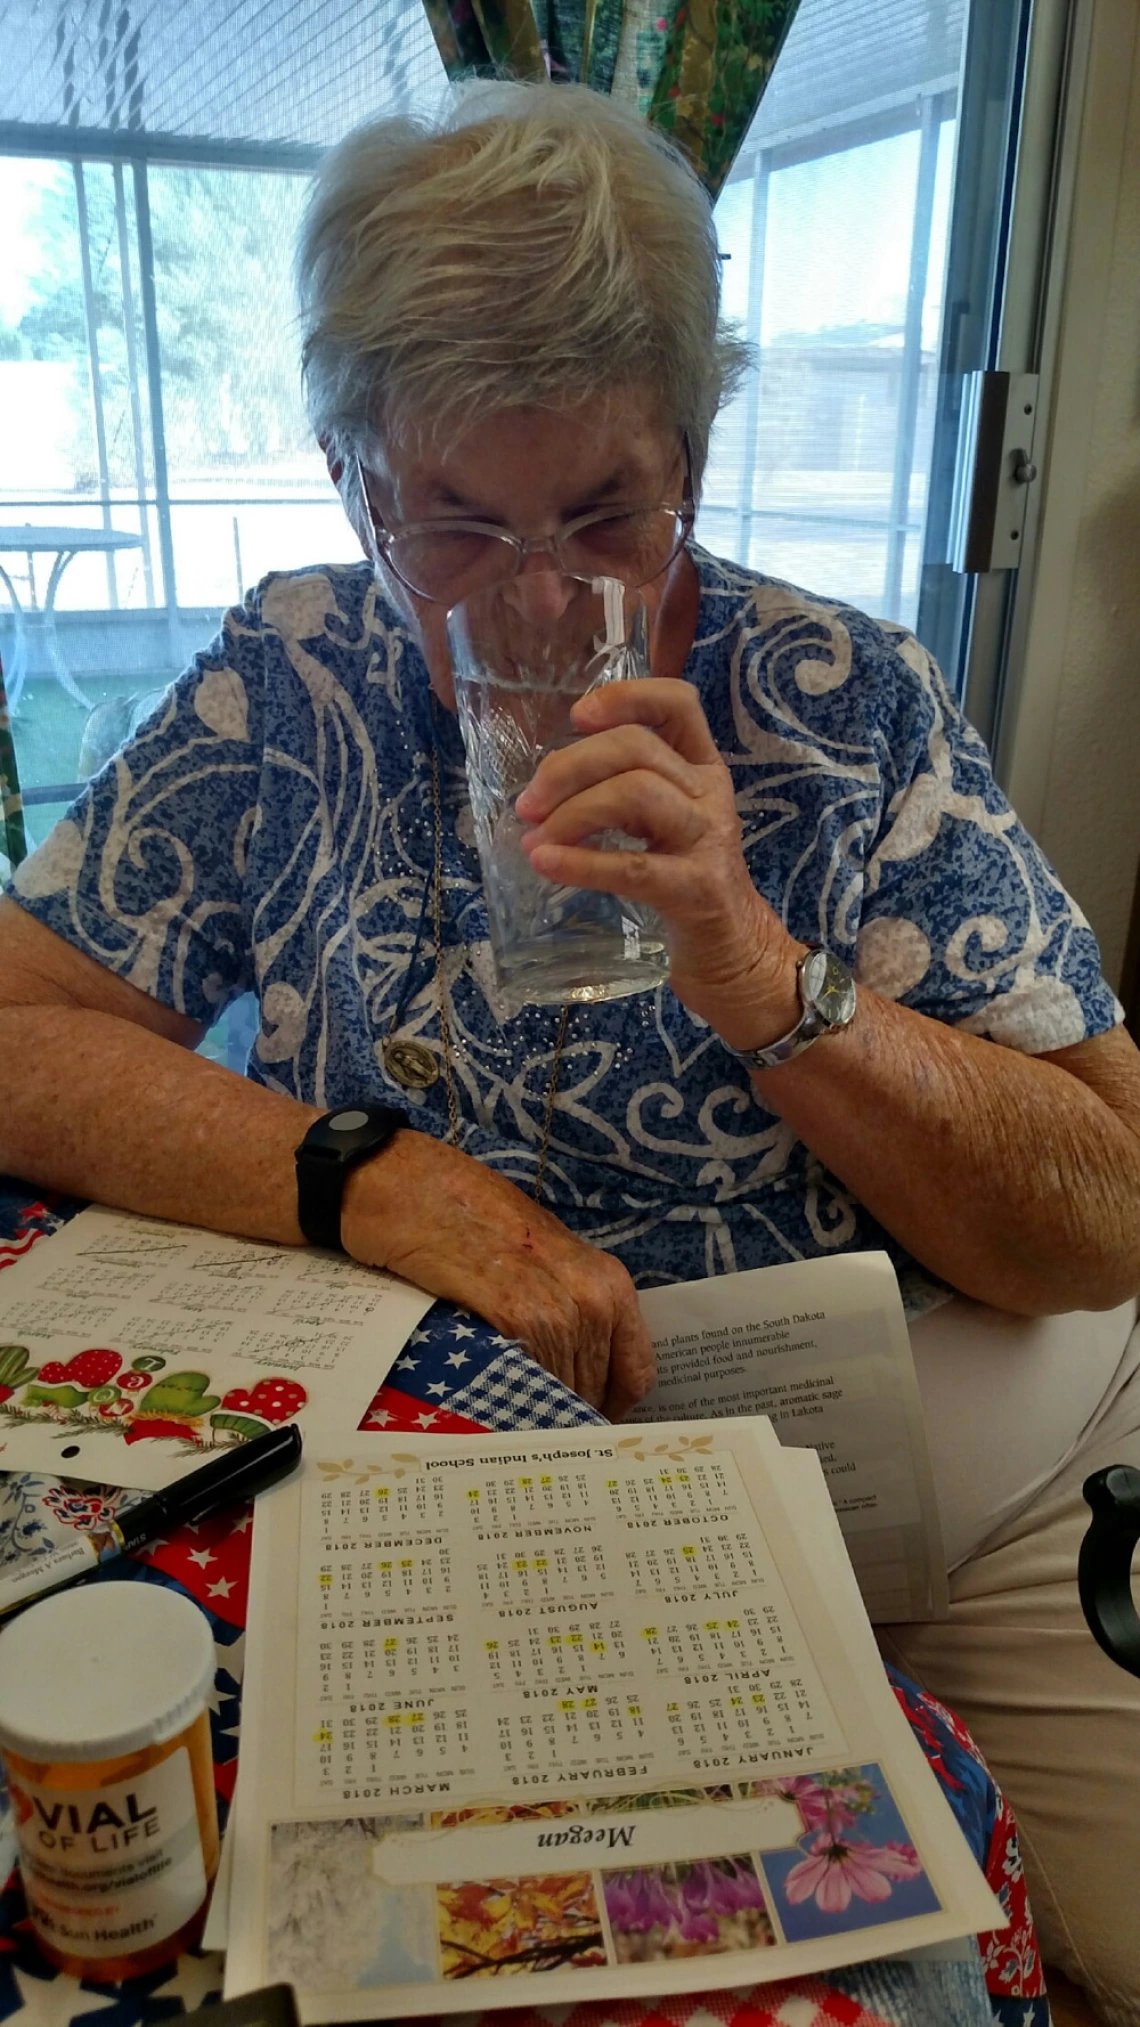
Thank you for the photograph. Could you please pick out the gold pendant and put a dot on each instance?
(412, 1064)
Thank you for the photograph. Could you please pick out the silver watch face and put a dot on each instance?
(828, 988)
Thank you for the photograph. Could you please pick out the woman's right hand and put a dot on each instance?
(446, 1223)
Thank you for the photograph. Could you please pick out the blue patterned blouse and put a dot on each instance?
(270, 828)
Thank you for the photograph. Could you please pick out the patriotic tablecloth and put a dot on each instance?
(457, 1374)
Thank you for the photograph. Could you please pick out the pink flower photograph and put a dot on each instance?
(854, 1865)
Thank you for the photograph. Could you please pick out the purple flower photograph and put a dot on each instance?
(659, 1912)
(854, 1866)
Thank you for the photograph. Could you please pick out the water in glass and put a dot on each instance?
(523, 653)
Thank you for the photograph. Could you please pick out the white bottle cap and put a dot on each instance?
(104, 1670)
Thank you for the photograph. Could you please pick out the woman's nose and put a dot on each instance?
(539, 593)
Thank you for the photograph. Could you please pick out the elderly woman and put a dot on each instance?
(512, 332)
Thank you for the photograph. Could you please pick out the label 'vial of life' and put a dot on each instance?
(105, 1733)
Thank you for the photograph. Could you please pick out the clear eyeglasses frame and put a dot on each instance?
(446, 560)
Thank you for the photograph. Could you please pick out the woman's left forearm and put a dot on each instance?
(1003, 1173)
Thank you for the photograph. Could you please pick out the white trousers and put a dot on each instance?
(1058, 1722)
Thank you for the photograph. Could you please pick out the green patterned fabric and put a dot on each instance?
(697, 70)
(716, 59)
(581, 40)
(486, 38)
(13, 846)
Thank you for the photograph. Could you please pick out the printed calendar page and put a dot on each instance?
(539, 1626)
(567, 1707)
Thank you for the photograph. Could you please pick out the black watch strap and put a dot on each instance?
(330, 1151)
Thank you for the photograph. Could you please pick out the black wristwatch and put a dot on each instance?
(330, 1151)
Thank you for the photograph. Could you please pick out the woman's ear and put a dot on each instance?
(334, 463)
(336, 467)
(673, 617)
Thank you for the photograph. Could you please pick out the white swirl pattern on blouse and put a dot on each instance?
(271, 828)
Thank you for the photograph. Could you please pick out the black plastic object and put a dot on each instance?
(272, 2006)
(1104, 1569)
(238, 1473)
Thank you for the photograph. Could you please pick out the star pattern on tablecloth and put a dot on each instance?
(195, 1980)
(134, 2003)
(62, 2000)
(225, 1691)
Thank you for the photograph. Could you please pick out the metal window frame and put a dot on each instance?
(905, 112)
(979, 623)
(100, 144)
(1041, 200)
(121, 150)
(152, 351)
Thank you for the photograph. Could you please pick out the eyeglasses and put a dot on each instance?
(446, 561)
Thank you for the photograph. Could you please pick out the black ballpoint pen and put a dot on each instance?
(236, 1475)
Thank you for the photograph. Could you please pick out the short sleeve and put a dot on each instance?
(963, 917)
(146, 871)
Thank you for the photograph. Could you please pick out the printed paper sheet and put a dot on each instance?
(131, 1348)
(822, 1349)
(573, 1706)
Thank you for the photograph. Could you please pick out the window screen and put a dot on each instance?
(834, 224)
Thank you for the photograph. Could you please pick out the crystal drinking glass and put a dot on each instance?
(523, 652)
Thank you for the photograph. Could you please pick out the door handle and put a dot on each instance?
(994, 469)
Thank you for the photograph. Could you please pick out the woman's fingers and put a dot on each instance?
(632, 1368)
(670, 707)
(661, 880)
(622, 750)
(646, 766)
(641, 804)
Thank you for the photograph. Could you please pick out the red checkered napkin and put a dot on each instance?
(794, 2002)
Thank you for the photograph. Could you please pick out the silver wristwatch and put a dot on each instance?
(827, 995)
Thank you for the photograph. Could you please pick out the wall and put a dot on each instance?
(1072, 750)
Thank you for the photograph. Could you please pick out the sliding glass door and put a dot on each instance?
(865, 228)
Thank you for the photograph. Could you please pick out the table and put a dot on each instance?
(65, 544)
(457, 1374)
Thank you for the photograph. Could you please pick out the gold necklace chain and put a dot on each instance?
(437, 931)
(548, 1115)
(444, 1021)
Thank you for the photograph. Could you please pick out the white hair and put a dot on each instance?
(534, 245)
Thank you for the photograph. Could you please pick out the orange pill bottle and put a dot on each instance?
(105, 1734)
